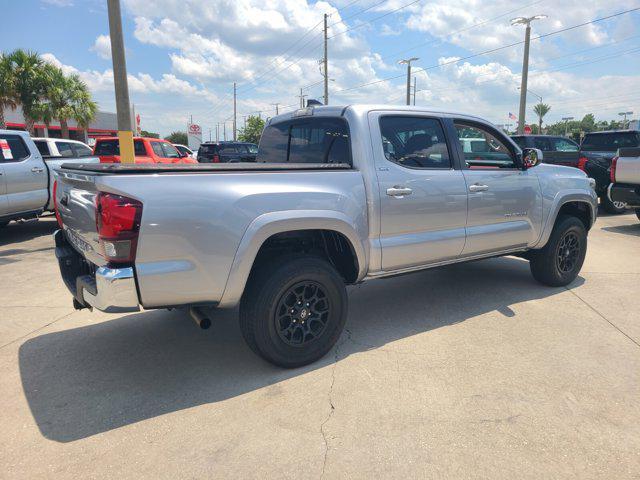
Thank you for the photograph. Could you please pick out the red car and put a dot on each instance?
(147, 150)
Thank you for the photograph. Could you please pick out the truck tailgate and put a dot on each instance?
(76, 200)
(628, 166)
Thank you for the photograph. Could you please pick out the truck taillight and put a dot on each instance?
(612, 170)
(216, 159)
(118, 223)
(582, 161)
(55, 203)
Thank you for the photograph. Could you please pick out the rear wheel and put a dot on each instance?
(612, 207)
(293, 311)
(560, 261)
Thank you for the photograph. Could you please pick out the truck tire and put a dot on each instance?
(293, 310)
(615, 208)
(560, 261)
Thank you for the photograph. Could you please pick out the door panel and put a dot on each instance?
(507, 214)
(422, 210)
(4, 203)
(26, 177)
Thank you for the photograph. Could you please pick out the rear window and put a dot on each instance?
(43, 148)
(609, 142)
(81, 150)
(306, 140)
(208, 148)
(17, 150)
(112, 147)
(65, 149)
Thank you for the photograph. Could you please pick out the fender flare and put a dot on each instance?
(269, 224)
(588, 198)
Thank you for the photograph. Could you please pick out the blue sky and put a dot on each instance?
(183, 55)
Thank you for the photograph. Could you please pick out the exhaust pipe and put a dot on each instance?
(199, 317)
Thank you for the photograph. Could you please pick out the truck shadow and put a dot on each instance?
(88, 380)
(17, 232)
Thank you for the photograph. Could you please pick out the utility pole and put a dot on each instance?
(217, 132)
(301, 97)
(209, 134)
(244, 117)
(123, 107)
(566, 125)
(408, 61)
(414, 91)
(624, 120)
(224, 131)
(276, 105)
(326, 64)
(234, 111)
(525, 67)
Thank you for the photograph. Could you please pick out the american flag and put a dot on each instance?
(512, 116)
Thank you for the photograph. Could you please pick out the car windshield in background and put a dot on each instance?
(609, 142)
(112, 147)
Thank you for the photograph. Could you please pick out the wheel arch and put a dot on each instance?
(580, 204)
(292, 224)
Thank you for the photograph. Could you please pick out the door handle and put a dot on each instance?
(37, 170)
(399, 191)
(476, 187)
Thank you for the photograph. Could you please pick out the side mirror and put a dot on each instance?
(530, 158)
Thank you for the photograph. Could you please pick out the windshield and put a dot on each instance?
(609, 142)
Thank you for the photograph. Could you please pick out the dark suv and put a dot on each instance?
(556, 150)
(597, 151)
(227, 152)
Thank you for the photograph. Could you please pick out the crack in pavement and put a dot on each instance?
(602, 316)
(37, 330)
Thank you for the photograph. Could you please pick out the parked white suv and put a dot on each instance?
(61, 147)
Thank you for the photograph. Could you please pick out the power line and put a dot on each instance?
(492, 50)
(375, 19)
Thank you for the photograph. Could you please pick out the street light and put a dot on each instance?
(539, 116)
(566, 126)
(408, 61)
(624, 120)
(525, 65)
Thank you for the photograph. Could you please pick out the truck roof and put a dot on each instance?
(613, 131)
(339, 110)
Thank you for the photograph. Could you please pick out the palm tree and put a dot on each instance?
(7, 87)
(66, 97)
(541, 110)
(28, 84)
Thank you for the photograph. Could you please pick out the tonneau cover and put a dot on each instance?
(123, 168)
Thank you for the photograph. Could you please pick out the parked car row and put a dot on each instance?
(593, 156)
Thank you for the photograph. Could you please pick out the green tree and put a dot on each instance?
(177, 137)
(7, 87)
(28, 83)
(252, 132)
(144, 133)
(541, 110)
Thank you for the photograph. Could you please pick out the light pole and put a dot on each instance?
(408, 61)
(566, 125)
(624, 120)
(525, 66)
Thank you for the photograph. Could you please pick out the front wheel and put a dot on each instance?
(560, 261)
(612, 207)
(293, 310)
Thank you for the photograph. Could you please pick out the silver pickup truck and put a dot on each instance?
(27, 176)
(338, 195)
(625, 178)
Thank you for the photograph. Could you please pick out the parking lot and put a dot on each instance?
(473, 370)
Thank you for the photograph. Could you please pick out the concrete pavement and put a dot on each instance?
(468, 371)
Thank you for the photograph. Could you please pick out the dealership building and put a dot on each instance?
(103, 125)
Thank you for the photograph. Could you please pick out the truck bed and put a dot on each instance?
(120, 168)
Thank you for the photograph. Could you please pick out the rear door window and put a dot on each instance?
(43, 147)
(415, 142)
(17, 150)
(564, 145)
(65, 149)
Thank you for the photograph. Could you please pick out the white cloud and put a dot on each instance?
(102, 46)
(59, 3)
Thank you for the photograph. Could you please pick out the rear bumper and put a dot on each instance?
(629, 194)
(111, 290)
